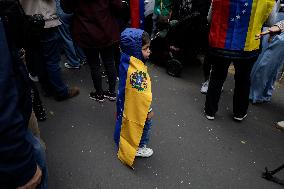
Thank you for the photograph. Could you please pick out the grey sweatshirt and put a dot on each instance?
(45, 7)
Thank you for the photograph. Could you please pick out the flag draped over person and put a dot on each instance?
(236, 24)
(134, 97)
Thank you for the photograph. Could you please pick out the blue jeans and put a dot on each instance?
(146, 133)
(74, 54)
(266, 69)
(50, 74)
(39, 155)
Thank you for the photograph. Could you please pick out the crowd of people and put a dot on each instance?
(34, 33)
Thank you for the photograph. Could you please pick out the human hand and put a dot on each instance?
(271, 31)
(32, 184)
(274, 30)
(150, 115)
(258, 36)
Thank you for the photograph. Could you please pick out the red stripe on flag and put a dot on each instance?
(219, 23)
(135, 13)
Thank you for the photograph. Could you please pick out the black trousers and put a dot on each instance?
(242, 84)
(206, 67)
(107, 55)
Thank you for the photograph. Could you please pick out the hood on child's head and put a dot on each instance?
(131, 42)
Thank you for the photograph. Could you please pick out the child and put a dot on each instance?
(133, 121)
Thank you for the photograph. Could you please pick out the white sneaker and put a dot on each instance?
(280, 125)
(204, 87)
(144, 152)
(240, 118)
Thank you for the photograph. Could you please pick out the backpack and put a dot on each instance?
(15, 21)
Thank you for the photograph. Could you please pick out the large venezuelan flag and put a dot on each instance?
(133, 103)
(137, 9)
(236, 22)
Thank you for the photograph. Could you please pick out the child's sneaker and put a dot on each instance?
(110, 96)
(95, 96)
(204, 87)
(144, 152)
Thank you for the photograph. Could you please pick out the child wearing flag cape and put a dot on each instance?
(134, 98)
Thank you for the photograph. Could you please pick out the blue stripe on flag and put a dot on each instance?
(123, 69)
(239, 19)
(231, 24)
(240, 34)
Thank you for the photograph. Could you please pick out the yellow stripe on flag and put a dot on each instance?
(261, 10)
(136, 107)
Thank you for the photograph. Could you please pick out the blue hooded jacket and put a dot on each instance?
(131, 43)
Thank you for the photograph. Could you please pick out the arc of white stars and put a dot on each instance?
(238, 17)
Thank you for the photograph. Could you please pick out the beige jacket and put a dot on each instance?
(45, 7)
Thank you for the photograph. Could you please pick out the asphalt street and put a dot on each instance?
(189, 150)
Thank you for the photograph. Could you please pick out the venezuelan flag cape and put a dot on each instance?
(236, 22)
(137, 9)
(133, 103)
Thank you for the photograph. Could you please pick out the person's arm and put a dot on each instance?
(16, 153)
